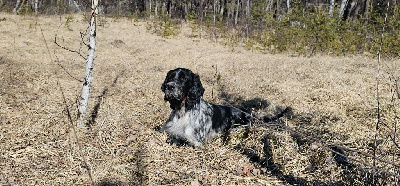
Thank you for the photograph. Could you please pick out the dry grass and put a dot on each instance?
(333, 98)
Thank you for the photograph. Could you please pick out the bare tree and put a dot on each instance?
(87, 80)
(150, 9)
(36, 6)
(237, 12)
(343, 7)
(155, 9)
(366, 10)
(17, 6)
(331, 7)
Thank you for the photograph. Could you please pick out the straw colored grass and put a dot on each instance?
(333, 98)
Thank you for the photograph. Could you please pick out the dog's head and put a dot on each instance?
(182, 85)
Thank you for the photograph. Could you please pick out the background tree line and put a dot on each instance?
(298, 26)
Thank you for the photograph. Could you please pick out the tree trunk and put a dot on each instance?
(36, 6)
(288, 6)
(87, 80)
(237, 12)
(342, 8)
(331, 7)
(150, 9)
(277, 9)
(366, 12)
(270, 5)
(17, 6)
(163, 9)
(156, 9)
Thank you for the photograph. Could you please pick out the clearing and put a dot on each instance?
(333, 98)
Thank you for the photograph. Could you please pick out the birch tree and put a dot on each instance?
(342, 8)
(87, 80)
(331, 7)
(155, 9)
(17, 6)
(237, 12)
(36, 6)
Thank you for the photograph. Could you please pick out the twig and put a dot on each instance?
(67, 49)
(45, 42)
(69, 113)
(65, 70)
(75, 135)
(377, 97)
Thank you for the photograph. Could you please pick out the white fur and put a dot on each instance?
(194, 125)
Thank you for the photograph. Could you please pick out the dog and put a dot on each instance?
(193, 120)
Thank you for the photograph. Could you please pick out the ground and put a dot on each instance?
(333, 98)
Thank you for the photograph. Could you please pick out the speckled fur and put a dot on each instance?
(194, 120)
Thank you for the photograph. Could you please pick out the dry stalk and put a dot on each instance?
(377, 97)
(87, 167)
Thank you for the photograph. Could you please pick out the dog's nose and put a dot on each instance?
(170, 87)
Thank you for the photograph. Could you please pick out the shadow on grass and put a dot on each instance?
(99, 100)
(267, 162)
(137, 170)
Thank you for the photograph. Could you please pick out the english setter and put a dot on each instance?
(193, 119)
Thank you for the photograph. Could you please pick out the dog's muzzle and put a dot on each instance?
(173, 92)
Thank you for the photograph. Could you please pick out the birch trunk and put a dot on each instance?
(214, 16)
(150, 9)
(36, 6)
(156, 9)
(342, 8)
(331, 7)
(237, 12)
(17, 6)
(87, 80)
(277, 9)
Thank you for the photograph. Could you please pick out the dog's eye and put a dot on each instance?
(183, 79)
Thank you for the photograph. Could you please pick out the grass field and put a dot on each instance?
(333, 98)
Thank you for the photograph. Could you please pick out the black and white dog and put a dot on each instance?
(193, 119)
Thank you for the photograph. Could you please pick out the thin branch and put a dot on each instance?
(71, 121)
(67, 49)
(65, 70)
(377, 94)
(45, 42)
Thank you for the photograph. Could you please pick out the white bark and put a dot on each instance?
(87, 80)
(214, 17)
(248, 8)
(237, 12)
(288, 5)
(156, 9)
(17, 6)
(331, 7)
(36, 6)
(150, 9)
(163, 8)
(342, 8)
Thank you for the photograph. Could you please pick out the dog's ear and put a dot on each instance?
(163, 86)
(197, 90)
(165, 81)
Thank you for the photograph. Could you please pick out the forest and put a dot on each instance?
(300, 27)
